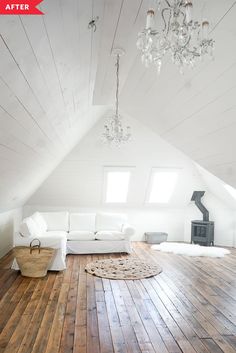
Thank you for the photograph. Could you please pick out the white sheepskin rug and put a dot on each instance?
(191, 249)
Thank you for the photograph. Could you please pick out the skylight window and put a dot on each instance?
(231, 190)
(162, 185)
(117, 185)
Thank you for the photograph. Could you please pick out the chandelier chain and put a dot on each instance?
(117, 83)
(114, 131)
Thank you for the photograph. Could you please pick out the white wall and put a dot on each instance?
(9, 223)
(77, 184)
(78, 180)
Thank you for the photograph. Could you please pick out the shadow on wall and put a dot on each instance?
(9, 223)
(6, 234)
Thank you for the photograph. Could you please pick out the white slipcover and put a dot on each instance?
(111, 230)
(40, 222)
(82, 221)
(56, 220)
(99, 247)
(109, 235)
(127, 230)
(80, 235)
(110, 221)
(29, 228)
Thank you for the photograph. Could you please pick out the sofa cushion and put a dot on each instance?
(56, 220)
(28, 228)
(81, 235)
(40, 222)
(109, 235)
(58, 234)
(82, 222)
(128, 231)
(110, 221)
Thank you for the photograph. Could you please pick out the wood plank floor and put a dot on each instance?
(190, 307)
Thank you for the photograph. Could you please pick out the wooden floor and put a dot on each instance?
(189, 307)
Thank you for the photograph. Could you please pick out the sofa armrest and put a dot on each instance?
(128, 231)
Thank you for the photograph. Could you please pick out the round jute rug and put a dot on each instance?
(122, 269)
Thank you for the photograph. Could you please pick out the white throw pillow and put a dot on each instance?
(128, 230)
(57, 220)
(28, 228)
(109, 235)
(82, 221)
(40, 222)
(81, 235)
(110, 221)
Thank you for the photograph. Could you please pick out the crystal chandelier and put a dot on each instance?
(185, 39)
(114, 132)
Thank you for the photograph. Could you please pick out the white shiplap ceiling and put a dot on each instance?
(47, 73)
(196, 111)
(57, 77)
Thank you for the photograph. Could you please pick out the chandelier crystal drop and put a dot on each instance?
(183, 38)
(114, 132)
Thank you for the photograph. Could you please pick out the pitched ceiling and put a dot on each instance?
(195, 112)
(47, 73)
(57, 77)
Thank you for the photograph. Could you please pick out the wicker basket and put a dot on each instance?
(34, 260)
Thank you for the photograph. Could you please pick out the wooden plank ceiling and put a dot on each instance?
(57, 78)
(195, 111)
(47, 73)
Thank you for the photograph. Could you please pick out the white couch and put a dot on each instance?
(76, 233)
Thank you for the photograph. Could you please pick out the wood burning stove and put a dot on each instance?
(202, 232)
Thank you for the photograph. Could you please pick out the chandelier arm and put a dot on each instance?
(193, 52)
(168, 4)
(179, 3)
(164, 20)
(184, 46)
(187, 42)
(168, 29)
(184, 14)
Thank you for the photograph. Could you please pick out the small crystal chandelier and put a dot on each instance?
(183, 38)
(114, 133)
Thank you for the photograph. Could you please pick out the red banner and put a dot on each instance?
(20, 7)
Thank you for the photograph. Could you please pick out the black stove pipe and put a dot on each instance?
(196, 197)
